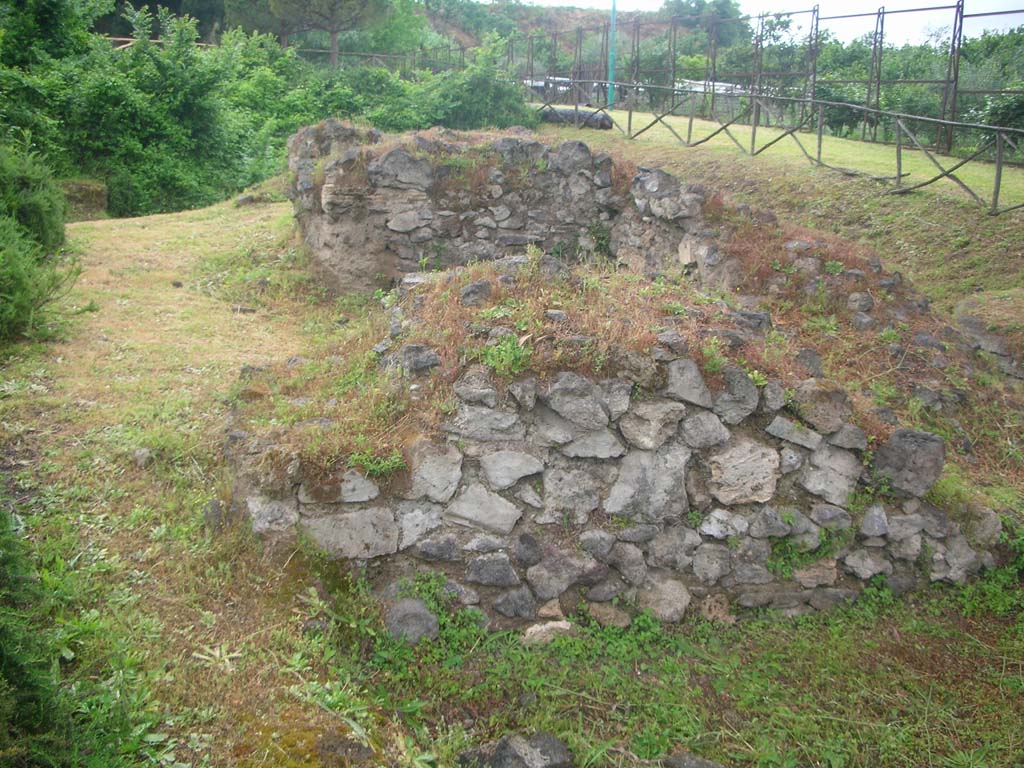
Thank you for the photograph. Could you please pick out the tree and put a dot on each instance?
(709, 15)
(330, 16)
(257, 16)
(35, 29)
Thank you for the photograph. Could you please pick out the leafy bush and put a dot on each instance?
(26, 689)
(176, 126)
(1005, 109)
(30, 196)
(27, 281)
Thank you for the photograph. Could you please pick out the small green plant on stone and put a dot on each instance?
(375, 464)
(602, 237)
(828, 326)
(755, 376)
(714, 359)
(787, 269)
(883, 392)
(888, 336)
(834, 267)
(787, 557)
(508, 357)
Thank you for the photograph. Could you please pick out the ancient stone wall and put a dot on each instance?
(652, 489)
(657, 495)
(371, 212)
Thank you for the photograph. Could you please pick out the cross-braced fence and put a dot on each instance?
(772, 86)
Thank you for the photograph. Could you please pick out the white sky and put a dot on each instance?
(899, 28)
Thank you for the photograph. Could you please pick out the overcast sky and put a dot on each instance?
(899, 28)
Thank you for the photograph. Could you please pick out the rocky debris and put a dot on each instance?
(768, 523)
(608, 615)
(486, 424)
(688, 760)
(740, 397)
(790, 431)
(541, 750)
(831, 517)
(711, 562)
(597, 444)
(517, 604)
(542, 634)
(561, 570)
(911, 460)
(524, 392)
(823, 404)
(703, 430)
(850, 437)
(984, 527)
(417, 358)
(650, 484)
(492, 570)
(400, 170)
(356, 535)
(666, 598)
(875, 522)
(860, 302)
(865, 563)
(742, 472)
(617, 394)
(143, 458)
(269, 516)
(475, 294)
(503, 469)
(415, 520)
(436, 472)
(569, 494)
(722, 524)
(628, 560)
(686, 383)
(577, 400)
(478, 507)
(598, 543)
(674, 548)
(350, 488)
(823, 573)
(649, 423)
(411, 621)
(476, 386)
(832, 474)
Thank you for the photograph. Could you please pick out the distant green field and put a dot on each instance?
(872, 159)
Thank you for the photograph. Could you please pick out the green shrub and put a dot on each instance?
(30, 196)
(26, 688)
(27, 281)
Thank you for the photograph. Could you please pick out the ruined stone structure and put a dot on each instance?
(652, 488)
(371, 213)
(573, 488)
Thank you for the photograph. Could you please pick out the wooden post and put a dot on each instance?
(821, 128)
(693, 109)
(999, 173)
(899, 154)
